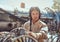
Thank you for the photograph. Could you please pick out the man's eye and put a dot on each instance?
(36, 13)
(33, 13)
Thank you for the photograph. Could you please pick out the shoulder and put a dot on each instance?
(42, 22)
(27, 23)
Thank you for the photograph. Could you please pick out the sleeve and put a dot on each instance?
(26, 26)
(43, 32)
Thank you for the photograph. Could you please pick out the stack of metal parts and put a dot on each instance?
(16, 35)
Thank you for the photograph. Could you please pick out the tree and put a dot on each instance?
(56, 5)
(15, 11)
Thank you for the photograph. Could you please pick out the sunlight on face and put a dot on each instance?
(35, 15)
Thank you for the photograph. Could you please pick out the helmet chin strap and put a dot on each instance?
(34, 21)
(31, 24)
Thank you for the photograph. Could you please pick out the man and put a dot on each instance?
(35, 26)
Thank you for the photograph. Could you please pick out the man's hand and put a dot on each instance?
(31, 34)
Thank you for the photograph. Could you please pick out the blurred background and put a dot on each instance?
(14, 13)
(17, 13)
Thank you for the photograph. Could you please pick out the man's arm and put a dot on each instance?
(43, 33)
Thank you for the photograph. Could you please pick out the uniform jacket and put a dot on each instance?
(39, 28)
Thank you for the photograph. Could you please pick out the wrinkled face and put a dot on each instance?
(35, 15)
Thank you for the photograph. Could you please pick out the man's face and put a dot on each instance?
(35, 15)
